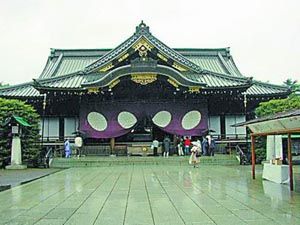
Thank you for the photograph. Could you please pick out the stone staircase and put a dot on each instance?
(101, 161)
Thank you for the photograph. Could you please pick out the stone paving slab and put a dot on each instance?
(13, 178)
(152, 194)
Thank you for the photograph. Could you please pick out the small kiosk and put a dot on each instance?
(278, 124)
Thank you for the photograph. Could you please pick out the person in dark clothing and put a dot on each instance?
(211, 145)
(167, 143)
(204, 147)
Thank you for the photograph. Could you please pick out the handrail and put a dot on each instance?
(239, 150)
(241, 155)
(49, 157)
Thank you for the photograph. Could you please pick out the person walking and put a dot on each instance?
(155, 145)
(67, 148)
(195, 151)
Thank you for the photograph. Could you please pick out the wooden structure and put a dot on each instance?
(278, 124)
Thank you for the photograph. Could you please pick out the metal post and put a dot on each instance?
(290, 162)
(253, 155)
(245, 112)
(43, 119)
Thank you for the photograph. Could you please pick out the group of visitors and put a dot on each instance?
(78, 142)
(187, 147)
(166, 146)
(207, 146)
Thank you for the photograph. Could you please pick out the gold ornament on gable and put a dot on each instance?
(123, 57)
(173, 82)
(194, 89)
(162, 57)
(143, 79)
(94, 90)
(106, 68)
(179, 67)
(114, 83)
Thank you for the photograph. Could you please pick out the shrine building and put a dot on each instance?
(142, 89)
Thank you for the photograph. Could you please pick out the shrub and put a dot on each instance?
(30, 135)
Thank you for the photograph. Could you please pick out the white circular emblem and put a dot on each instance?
(126, 119)
(191, 120)
(97, 121)
(162, 118)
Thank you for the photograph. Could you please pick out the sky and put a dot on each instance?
(263, 35)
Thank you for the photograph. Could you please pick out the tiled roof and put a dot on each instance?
(281, 115)
(261, 88)
(22, 90)
(214, 67)
(212, 80)
(74, 61)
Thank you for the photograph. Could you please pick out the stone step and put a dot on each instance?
(98, 161)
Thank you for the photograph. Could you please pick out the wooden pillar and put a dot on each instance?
(112, 145)
(253, 155)
(290, 162)
(174, 143)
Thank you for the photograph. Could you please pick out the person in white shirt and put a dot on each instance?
(78, 144)
(155, 145)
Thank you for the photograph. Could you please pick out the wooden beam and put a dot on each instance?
(290, 162)
(253, 155)
(297, 130)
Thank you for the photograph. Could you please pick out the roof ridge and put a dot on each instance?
(142, 31)
(271, 85)
(66, 76)
(16, 86)
(228, 76)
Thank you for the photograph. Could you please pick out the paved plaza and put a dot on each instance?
(153, 194)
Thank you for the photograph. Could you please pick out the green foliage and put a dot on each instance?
(30, 135)
(279, 105)
(260, 149)
(270, 108)
(292, 84)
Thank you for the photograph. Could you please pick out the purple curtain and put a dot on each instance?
(111, 111)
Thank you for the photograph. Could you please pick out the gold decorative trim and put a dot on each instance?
(114, 83)
(107, 67)
(143, 42)
(143, 79)
(194, 89)
(123, 57)
(93, 90)
(173, 82)
(179, 67)
(162, 57)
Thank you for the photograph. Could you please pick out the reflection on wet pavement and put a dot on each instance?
(151, 195)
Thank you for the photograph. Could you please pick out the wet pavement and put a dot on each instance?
(12, 178)
(161, 195)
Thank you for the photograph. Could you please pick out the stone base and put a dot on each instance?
(16, 167)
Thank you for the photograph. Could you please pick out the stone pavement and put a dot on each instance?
(154, 194)
(12, 178)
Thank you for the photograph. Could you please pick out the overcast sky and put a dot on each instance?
(263, 35)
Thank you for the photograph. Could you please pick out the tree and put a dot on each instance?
(292, 84)
(269, 108)
(30, 136)
(278, 105)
